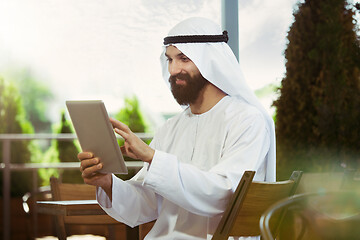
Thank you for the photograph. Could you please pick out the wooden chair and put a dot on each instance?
(250, 200)
(33, 217)
(67, 191)
(313, 216)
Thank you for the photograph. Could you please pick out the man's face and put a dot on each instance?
(185, 78)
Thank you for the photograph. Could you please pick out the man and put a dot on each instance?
(197, 158)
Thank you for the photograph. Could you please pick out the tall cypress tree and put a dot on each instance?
(132, 116)
(318, 110)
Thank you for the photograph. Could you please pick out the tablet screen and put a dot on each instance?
(95, 134)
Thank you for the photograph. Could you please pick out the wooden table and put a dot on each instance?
(79, 208)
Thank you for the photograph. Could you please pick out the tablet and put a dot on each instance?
(95, 134)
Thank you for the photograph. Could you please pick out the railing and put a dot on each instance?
(6, 166)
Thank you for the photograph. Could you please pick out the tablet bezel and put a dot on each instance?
(95, 133)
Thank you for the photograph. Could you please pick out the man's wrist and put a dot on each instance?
(108, 187)
(150, 156)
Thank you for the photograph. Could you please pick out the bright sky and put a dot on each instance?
(108, 49)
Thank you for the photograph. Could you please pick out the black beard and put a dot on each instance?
(189, 93)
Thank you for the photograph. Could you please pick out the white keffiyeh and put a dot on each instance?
(218, 64)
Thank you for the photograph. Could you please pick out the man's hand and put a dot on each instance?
(133, 147)
(89, 167)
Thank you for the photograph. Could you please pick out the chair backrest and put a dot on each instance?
(68, 191)
(250, 200)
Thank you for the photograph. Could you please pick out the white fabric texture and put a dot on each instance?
(199, 159)
(198, 163)
(217, 63)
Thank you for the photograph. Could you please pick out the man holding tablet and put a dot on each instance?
(197, 158)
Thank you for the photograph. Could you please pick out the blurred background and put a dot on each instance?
(110, 49)
(53, 51)
(301, 58)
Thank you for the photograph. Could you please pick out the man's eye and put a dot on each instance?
(169, 60)
(185, 59)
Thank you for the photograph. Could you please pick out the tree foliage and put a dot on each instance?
(132, 116)
(68, 152)
(13, 120)
(317, 116)
(37, 96)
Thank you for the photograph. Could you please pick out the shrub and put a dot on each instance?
(317, 113)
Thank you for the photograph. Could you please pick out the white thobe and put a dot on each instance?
(198, 162)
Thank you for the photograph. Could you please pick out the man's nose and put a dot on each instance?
(174, 68)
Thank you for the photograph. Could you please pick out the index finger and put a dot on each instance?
(119, 125)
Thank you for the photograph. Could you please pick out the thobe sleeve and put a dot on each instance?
(132, 203)
(206, 193)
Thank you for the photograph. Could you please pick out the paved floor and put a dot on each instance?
(75, 237)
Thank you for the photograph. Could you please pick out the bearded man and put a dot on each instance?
(196, 160)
